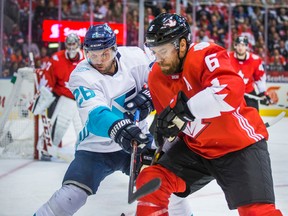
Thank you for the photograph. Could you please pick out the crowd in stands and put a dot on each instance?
(212, 24)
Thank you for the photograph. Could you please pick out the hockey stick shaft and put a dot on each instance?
(147, 188)
(260, 98)
(157, 154)
(133, 160)
(275, 120)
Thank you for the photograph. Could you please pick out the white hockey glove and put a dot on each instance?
(143, 102)
(41, 101)
(124, 131)
(174, 117)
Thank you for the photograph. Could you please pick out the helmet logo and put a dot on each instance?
(97, 35)
(170, 23)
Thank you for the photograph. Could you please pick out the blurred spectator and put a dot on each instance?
(202, 37)
(33, 48)
(132, 22)
(24, 20)
(17, 57)
(282, 17)
(212, 19)
(239, 14)
(51, 10)
(103, 7)
(66, 12)
(76, 9)
(38, 18)
(16, 38)
(283, 49)
(7, 49)
(277, 62)
(149, 14)
(6, 73)
(42, 61)
(117, 10)
(11, 11)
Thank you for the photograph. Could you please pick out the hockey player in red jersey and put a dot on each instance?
(60, 66)
(54, 78)
(199, 99)
(250, 67)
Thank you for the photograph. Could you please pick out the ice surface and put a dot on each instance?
(25, 185)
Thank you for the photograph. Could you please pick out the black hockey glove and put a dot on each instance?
(266, 99)
(146, 158)
(143, 102)
(174, 118)
(124, 131)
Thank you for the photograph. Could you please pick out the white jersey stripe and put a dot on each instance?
(247, 127)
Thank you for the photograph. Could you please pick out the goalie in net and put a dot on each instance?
(53, 94)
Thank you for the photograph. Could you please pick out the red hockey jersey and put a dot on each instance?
(251, 70)
(223, 123)
(58, 71)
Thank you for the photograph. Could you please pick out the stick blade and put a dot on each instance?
(276, 119)
(147, 188)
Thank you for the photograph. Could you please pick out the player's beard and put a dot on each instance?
(241, 55)
(107, 70)
(170, 68)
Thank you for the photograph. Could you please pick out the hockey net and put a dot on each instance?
(18, 126)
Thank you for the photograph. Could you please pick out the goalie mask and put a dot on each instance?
(72, 45)
(100, 44)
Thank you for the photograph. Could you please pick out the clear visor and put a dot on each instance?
(159, 53)
(101, 56)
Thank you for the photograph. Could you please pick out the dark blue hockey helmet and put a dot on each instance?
(99, 37)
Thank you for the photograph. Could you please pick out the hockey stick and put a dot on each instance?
(275, 120)
(260, 98)
(147, 188)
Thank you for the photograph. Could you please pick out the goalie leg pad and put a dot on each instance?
(41, 101)
(65, 202)
(63, 114)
